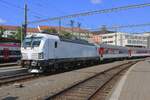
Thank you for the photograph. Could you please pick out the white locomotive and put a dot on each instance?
(42, 52)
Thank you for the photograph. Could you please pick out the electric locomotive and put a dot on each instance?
(43, 52)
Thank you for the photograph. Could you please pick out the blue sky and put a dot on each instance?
(12, 14)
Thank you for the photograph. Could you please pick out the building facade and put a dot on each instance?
(124, 39)
(148, 38)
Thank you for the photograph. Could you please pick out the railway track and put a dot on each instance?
(15, 78)
(8, 64)
(88, 89)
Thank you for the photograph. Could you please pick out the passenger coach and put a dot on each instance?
(9, 50)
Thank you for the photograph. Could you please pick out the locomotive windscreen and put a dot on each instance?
(32, 42)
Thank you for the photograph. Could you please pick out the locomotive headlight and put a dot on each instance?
(41, 55)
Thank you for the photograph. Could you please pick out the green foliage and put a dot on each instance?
(52, 30)
(66, 34)
(18, 34)
(2, 30)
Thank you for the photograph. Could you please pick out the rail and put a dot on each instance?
(87, 88)
(15, 78)
(8, 64)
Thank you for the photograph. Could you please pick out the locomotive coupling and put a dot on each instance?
(34, 63)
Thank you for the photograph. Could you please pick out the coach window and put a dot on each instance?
(55, 44)
(0, 52)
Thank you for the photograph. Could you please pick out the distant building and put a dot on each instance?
(96, 36)
(10, 30)
(122, 39)
(147, 34)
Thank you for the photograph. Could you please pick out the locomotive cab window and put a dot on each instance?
(32, 42)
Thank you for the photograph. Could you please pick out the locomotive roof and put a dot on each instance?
(79, 41)
(57, 37)
(73, 40)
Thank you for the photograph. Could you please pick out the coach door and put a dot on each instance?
(129, 53)
(101, 52)
(6, 54)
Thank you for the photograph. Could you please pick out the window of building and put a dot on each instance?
(110, 36)
(129, 41)
(127, 36)
(110, 41)
(104, 37)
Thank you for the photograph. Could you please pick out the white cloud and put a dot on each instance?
(96, 1)
(2, 20)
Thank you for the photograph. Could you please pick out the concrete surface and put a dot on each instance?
(135, 84)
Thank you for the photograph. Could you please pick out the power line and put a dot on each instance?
(8, 3)
(52, 5)
(92, 13)
(21, 8)
(124, 26)
(130, 26)
(41, 5)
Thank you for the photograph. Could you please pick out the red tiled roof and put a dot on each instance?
(64, 29)
(36, 30)
(14, 28)
(33, 30)
(8, 27)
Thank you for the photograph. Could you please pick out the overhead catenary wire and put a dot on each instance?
(38, 4)
(44, 5)
(35, 14)
(124, 26)
(89, 13)
(130, 26)
(11, 4)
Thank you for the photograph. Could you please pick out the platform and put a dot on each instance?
(135, 84)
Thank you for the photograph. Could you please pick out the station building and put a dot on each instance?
(9, 30)
(148, 38)
(122, 39)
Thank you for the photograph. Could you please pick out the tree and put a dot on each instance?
(104, 29)
(66, 34)
(52, 30)
(2, 30)
(18, 34)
